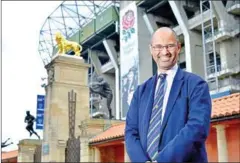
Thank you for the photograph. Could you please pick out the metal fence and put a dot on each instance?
(72, 150)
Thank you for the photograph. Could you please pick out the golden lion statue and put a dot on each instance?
(65, 46)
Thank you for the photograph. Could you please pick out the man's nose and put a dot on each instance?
(165, 51)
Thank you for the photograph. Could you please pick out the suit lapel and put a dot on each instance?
(176, 87)
(149, 95)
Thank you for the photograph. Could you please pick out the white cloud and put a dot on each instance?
(22, 67)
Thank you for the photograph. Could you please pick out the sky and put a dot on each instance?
(22, 67)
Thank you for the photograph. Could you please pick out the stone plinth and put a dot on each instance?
(90, 128)
(26, 149)
(65, 73)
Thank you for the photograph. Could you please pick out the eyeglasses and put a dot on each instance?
(158, 47)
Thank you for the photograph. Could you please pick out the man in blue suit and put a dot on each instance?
(169, 116)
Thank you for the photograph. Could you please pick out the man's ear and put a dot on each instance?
(150, 49)
(179, 47)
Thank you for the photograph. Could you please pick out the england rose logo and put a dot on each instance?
(128, 21)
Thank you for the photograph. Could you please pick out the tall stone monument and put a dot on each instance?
(65, 73)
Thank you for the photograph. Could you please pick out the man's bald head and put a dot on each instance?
(165, 48)
(164, 31)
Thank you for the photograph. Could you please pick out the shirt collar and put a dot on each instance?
(171, 72)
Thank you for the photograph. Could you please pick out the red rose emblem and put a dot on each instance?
(128, 20)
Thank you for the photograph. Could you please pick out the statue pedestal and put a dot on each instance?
(26, 149)
(65, 73)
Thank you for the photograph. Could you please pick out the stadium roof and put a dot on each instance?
(68, 18)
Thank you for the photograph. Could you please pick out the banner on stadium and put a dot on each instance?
(129, 55)
(40, 112)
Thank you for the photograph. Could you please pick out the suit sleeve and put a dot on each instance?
(196, 129)
(132, 140)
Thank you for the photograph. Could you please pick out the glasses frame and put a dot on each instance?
(169, 47)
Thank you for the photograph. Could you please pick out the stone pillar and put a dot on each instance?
(126, 157)
(90, 128)
(26, 149)
(65, 73)
(144, 39)
(97, 157)
(221, 143)
(229, 53)
(225, 54)
(85, 150)
(196, 54)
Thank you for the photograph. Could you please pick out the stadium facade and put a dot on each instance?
(115, 37)
(102, 29)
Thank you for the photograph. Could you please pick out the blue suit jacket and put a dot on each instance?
(186, 122)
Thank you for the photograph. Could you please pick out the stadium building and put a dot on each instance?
(115, 37)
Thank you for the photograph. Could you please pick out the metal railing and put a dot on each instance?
(211, 69)
(232, 68)
(216, 32)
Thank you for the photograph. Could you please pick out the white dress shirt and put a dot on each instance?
(168, 85)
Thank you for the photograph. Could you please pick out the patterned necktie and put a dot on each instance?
(155, 121)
